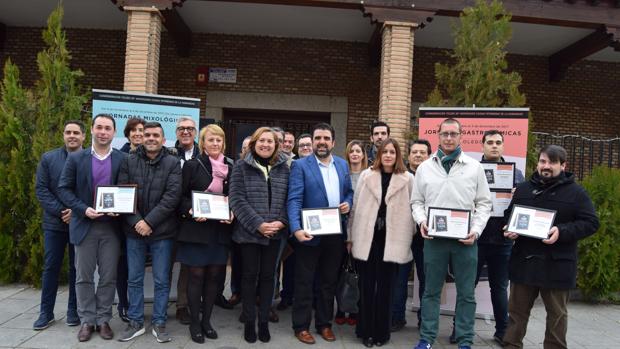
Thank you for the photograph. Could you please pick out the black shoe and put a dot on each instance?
(453, 336)
(122, 313)
(367, 342)
(263, 332)
(221, 302)
(397, 325)
(379, 344)
(196, 333)
(249, 332)
(208, 331)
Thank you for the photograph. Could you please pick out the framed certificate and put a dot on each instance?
(321, 221)
(210, 206)
(531, 221)
(448, 222)
(500, 200)
(116, 198)
(500, 175)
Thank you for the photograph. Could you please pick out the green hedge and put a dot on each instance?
(598, 275)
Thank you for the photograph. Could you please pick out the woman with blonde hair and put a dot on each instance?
(258, 192)
(204, 244)
(381, 228)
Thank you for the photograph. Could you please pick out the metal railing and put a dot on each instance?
(584, 153)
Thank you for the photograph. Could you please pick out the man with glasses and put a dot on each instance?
(186, 134)
(304, 145)
(450, 179)
(187, 149)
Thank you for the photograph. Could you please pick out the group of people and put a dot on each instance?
(383, 198)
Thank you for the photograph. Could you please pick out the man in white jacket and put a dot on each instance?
(452, 180)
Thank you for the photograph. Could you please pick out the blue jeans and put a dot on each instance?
(399, 295)
(496, 258)
(54, 244)
(161, 252)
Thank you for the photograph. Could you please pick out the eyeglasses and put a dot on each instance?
(186, 129)
(449, 134)
(305, 145)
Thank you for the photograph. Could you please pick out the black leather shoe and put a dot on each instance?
(196, 333)
(221, 302)
(209, 332)
(367, 342)
(379, 344)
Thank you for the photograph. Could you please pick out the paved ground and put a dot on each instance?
(590, 326)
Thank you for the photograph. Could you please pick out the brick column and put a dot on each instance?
(142, 51)
(396, 75)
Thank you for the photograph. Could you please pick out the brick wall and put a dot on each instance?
(586, 102)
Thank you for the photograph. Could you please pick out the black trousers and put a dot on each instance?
(259, 263)
(325, 260)
(235, 268)
(376, 283)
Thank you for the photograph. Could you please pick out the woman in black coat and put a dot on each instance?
(204, 244)
(258, 190)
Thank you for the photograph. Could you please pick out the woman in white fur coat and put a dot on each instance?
(381, 228)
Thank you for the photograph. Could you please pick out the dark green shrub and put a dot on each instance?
(598, 275)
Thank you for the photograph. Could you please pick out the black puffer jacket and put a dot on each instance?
(255, 200)
(159, 191)
(195, 177)
(535, 263)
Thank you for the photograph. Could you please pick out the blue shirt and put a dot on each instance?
(330, 181)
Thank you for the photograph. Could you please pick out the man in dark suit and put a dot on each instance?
(56, 217)
(93, 234)
(321, 180)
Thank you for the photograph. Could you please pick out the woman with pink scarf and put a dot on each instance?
(204, 244)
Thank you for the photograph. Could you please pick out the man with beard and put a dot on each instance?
(56, 218)
(379, 131)
(450, 179)
(97, 245)
(547, 267)
(151, 228)
(317, 181)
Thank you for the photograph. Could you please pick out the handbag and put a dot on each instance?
(348, 292)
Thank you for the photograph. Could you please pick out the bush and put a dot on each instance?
(598, 275)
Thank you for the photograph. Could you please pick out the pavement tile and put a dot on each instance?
(590, 326)
(14, 337)
(9, 290)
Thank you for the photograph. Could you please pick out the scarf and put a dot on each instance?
(448, 160)
(220, 172)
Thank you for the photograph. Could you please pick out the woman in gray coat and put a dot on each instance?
(258, 191)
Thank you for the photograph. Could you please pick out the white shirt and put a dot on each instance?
(465, 187)
(330, 181)
(99, 157)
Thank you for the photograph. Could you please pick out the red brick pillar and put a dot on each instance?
(142, 51)
(396, 76)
